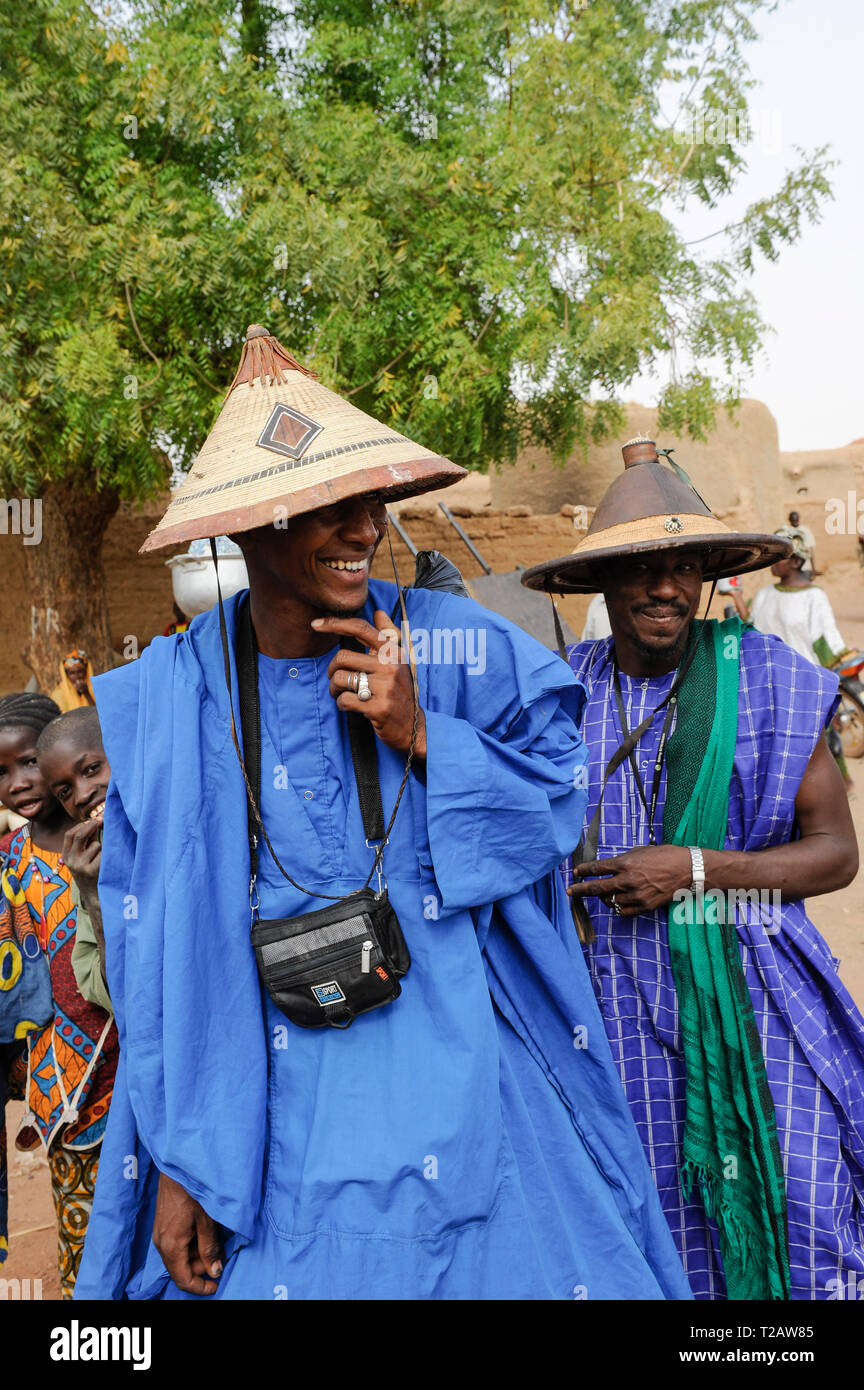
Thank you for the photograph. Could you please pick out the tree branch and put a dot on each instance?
(486, 324)
(140, 339)
(201, 377)
(381, 372)
(681, 167)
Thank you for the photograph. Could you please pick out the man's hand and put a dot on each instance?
(186, 1238)
(82, 852)
(391, 708)
(638, 881)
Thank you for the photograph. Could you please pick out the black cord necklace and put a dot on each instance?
(651, 810)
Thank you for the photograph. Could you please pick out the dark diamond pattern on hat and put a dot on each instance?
(288, 432)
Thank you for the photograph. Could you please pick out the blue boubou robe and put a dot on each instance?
(469, 1140)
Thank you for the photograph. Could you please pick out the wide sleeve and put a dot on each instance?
(173, 890)
(117, 705)
(505, 768)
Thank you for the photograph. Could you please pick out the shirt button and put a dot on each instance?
(293, 672)
(309, 795)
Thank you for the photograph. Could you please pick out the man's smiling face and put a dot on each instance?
(323, 557)
(652, 600)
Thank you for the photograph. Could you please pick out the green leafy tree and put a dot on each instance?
(128, 267)
(462, 213)
(521, 185)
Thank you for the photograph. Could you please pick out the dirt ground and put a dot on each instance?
(838, 916)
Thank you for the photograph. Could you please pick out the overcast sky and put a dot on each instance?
(810, 63)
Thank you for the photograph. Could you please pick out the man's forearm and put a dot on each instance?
(799, 869)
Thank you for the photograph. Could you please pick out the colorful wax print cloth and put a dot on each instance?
(812, 1034)
(73, 1180)
(469, 1140)
(25, 978)
(73, 1058)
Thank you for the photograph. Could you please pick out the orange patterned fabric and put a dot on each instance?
(73, 1179)
(74, 1057)
(47, 885)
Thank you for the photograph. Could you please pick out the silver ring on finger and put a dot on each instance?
(615, 908)
(363, 691)
(353, 681)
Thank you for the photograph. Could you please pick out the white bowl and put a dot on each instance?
(194, 581)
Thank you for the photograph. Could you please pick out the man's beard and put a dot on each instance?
(659, 652)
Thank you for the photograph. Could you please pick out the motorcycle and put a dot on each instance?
(849, 719)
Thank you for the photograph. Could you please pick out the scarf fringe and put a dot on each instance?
(740, 1244)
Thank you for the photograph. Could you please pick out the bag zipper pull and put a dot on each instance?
(366, 957)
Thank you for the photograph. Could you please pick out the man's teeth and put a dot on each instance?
(345, 564)
(97, 811)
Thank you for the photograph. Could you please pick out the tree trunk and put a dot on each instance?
(66, 581)
(254, 31)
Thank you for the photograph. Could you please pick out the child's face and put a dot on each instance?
(77, 673)
(78, 775)
(23, 788)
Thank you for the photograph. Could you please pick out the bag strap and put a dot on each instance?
(586, 850)
(250, 712)
(361, 737)
(364, 756)
(250, 720)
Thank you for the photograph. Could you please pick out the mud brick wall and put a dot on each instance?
(139, 586)
(508, 533)
(505, 539)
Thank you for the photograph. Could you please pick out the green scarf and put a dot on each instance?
(730, 1144)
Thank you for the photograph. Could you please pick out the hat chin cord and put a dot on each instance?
(710, 600)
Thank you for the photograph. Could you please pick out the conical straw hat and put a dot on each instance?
(284, 444)
(648, 508)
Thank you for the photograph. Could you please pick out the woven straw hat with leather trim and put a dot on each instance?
(282, 440)
(650, 507)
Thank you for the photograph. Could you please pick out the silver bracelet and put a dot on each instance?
(697, 870)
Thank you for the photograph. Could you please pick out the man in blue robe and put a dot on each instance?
(469, 1139)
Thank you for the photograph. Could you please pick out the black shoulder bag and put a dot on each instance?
(322, 968)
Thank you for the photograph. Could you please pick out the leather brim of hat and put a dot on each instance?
(390, 482)
(726, 552)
